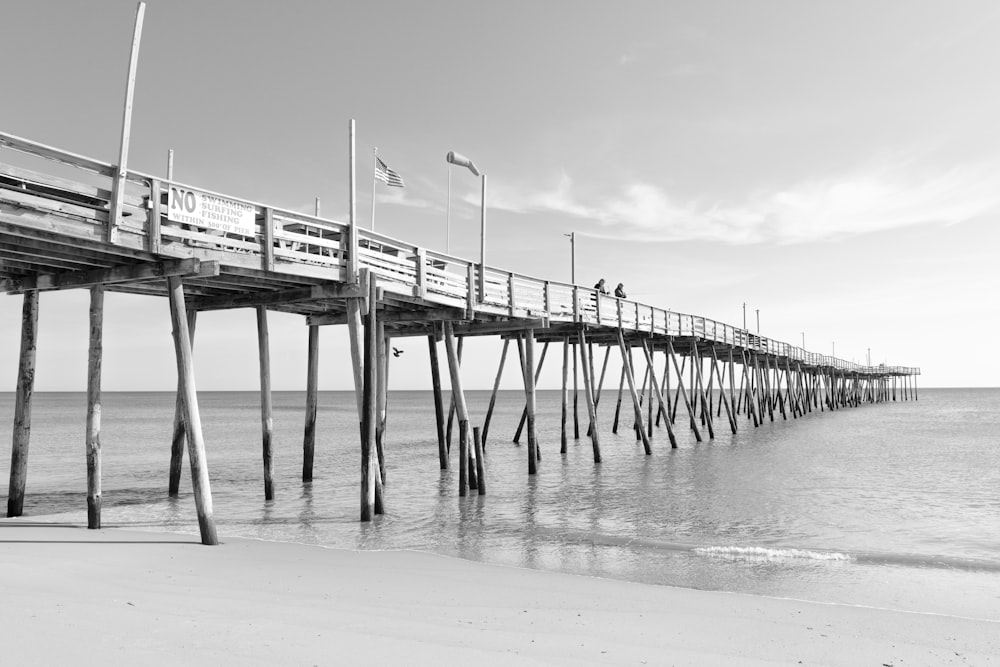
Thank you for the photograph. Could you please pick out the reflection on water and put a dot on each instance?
(904, 492)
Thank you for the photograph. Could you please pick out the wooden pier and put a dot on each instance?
(71, 222)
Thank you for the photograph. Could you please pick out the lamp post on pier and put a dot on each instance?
(758, 321)
(744, 315)
(803, 340)
(572, 256)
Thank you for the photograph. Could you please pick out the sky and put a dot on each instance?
(833, 166)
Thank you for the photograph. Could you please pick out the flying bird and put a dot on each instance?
(396, 351)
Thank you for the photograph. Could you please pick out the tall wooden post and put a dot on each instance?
(180, 426)
(93, 445)
(496, 388)
(576, 413)
(121, 171)
(192, 417)
(659, 395)
(538, 374)
(458, 393)
(312, 403)
(451, 406)
(22, 405)
(438, 401)
(266, 413)
(529, 389)
(618, 404)
(588, 389)
(480, 462)
(630, 378)
(381, 398)
(723, 399)
(564, 395)
(680, 388)
(696, 365)
(369, 412)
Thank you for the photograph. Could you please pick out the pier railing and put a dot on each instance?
(296, 243)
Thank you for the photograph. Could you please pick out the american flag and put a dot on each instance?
(386, 175)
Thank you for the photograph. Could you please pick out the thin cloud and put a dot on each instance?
(871, 199)
(399, 197)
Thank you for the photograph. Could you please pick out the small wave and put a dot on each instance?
(766, 554)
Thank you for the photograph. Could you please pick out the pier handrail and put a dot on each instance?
(303, 244)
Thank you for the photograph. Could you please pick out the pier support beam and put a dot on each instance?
(564, 395)
(458, 394)
(180, 425)
(661, 409)
(369, 393)
(588, 389)
(630, 378)
(496, 388)
(683, 392)
(266, 413)
(22, 405)
(192, 415)
(438, 400)
(312, 401)
(529, 390)
(93, 445)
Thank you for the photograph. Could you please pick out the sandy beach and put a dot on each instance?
(130, 597)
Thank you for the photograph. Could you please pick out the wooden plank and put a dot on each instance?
(286, 296)
(116, 274)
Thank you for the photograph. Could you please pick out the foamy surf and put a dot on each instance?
(767, 554)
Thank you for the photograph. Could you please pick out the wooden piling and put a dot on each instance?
(266, 416)
(730, 414)
(93, 444)
(564, 395)
(312, 404)
(438, 401)
(524, 412)
(369, 409)
(618, 405)
(192, 417)
(588, 389)
(534, 455)
(630, 379)
(661, 409)
(454, 368)
(480, 462)
(22, 405)
(451, 406)
(683, 392)
(496, 388)
(381, 397)
(180, 427)
(576, 414)
(707, 414)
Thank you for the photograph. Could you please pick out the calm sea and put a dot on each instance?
(894, 505)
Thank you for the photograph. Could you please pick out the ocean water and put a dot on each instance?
(894, 505)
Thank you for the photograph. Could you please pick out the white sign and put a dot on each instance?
(202, 209)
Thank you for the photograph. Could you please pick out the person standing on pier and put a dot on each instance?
(601, 289)
(620, 291)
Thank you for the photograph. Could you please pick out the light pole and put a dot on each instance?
(803, 340)
(460, 160)
(833, 348)
(758, 321)
(572, 256)
(744, 315)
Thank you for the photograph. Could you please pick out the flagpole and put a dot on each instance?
(374, 169)
(447, 224)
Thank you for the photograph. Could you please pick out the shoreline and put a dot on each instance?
(86, 596)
